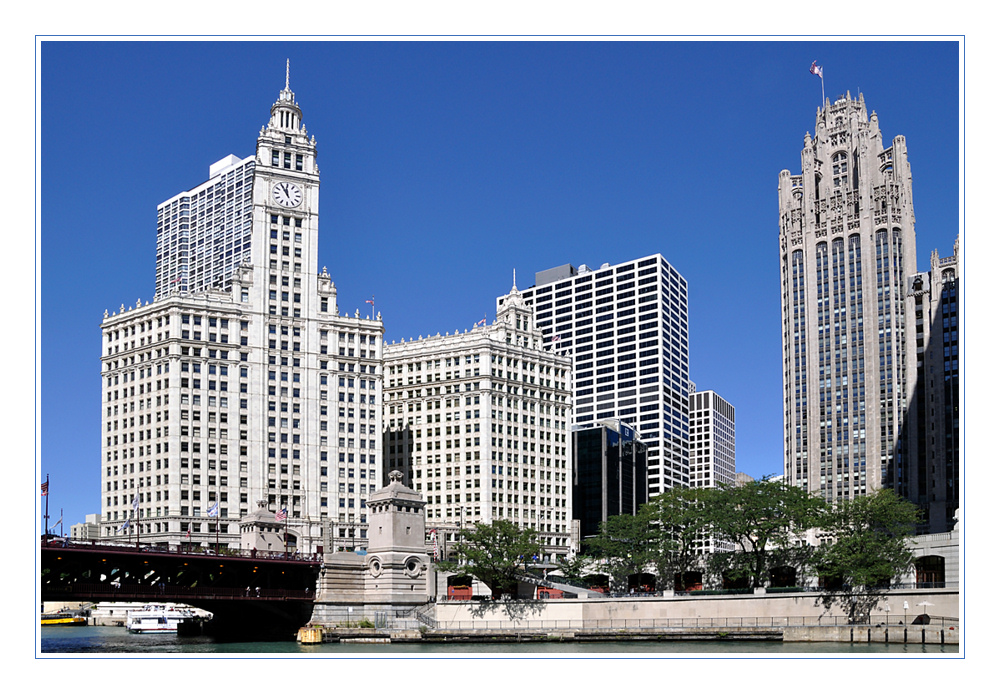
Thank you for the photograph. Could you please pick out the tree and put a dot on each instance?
(496, 554)
(625, 546)
(732, 569)
(758, 517)
(870, 549)
(678, 529)
(574, 568)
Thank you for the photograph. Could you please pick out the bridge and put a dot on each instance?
(249, 593)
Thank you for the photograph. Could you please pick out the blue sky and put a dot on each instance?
(447, 165)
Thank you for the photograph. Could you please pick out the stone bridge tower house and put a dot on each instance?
(395, 571)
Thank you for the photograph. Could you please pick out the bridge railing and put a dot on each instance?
(112, 546)
(139, 591)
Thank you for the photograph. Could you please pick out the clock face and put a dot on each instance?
(287, 194)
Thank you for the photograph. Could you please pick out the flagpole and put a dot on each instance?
(46, 505)
(818, 71)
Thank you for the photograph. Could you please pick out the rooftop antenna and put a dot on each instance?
(286, 74)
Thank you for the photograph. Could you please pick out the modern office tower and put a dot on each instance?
(846, 249)
(931, 476)
(203, 235)
(241, 382)
(713, 440)
(609, 474)
(478, 423)
(625, 327)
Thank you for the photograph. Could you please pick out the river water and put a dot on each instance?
(117, 640)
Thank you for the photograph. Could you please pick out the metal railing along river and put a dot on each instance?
(683, 623)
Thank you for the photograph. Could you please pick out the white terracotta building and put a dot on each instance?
(478, 423)
(240, 381)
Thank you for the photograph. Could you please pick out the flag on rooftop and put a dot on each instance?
(816, 70)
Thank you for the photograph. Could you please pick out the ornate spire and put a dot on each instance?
(513, 298)
(287, 94)
(285, 112)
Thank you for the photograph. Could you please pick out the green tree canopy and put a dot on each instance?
(678, 527)
(496, 554)
(870, 549)
(625, 545)
(574, 568)
(757, 517)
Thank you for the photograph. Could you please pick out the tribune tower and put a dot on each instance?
(847, 247)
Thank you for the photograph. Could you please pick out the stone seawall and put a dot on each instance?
(838, 634)
(913, 634)
(761, 610)
(785, 616)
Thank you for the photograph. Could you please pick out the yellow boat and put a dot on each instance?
(49, 620)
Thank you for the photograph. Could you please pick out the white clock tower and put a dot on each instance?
(253, 390)
(286, 189)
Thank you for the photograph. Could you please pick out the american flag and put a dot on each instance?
(281, 515)
(45, 488)
(816, 70)
(370, 301)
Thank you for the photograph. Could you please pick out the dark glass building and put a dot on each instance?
(609, 474)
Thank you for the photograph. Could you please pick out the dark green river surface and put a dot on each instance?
(112, 640)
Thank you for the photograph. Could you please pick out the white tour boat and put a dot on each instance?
(156, 618)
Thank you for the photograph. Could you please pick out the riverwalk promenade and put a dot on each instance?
(902, 616)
